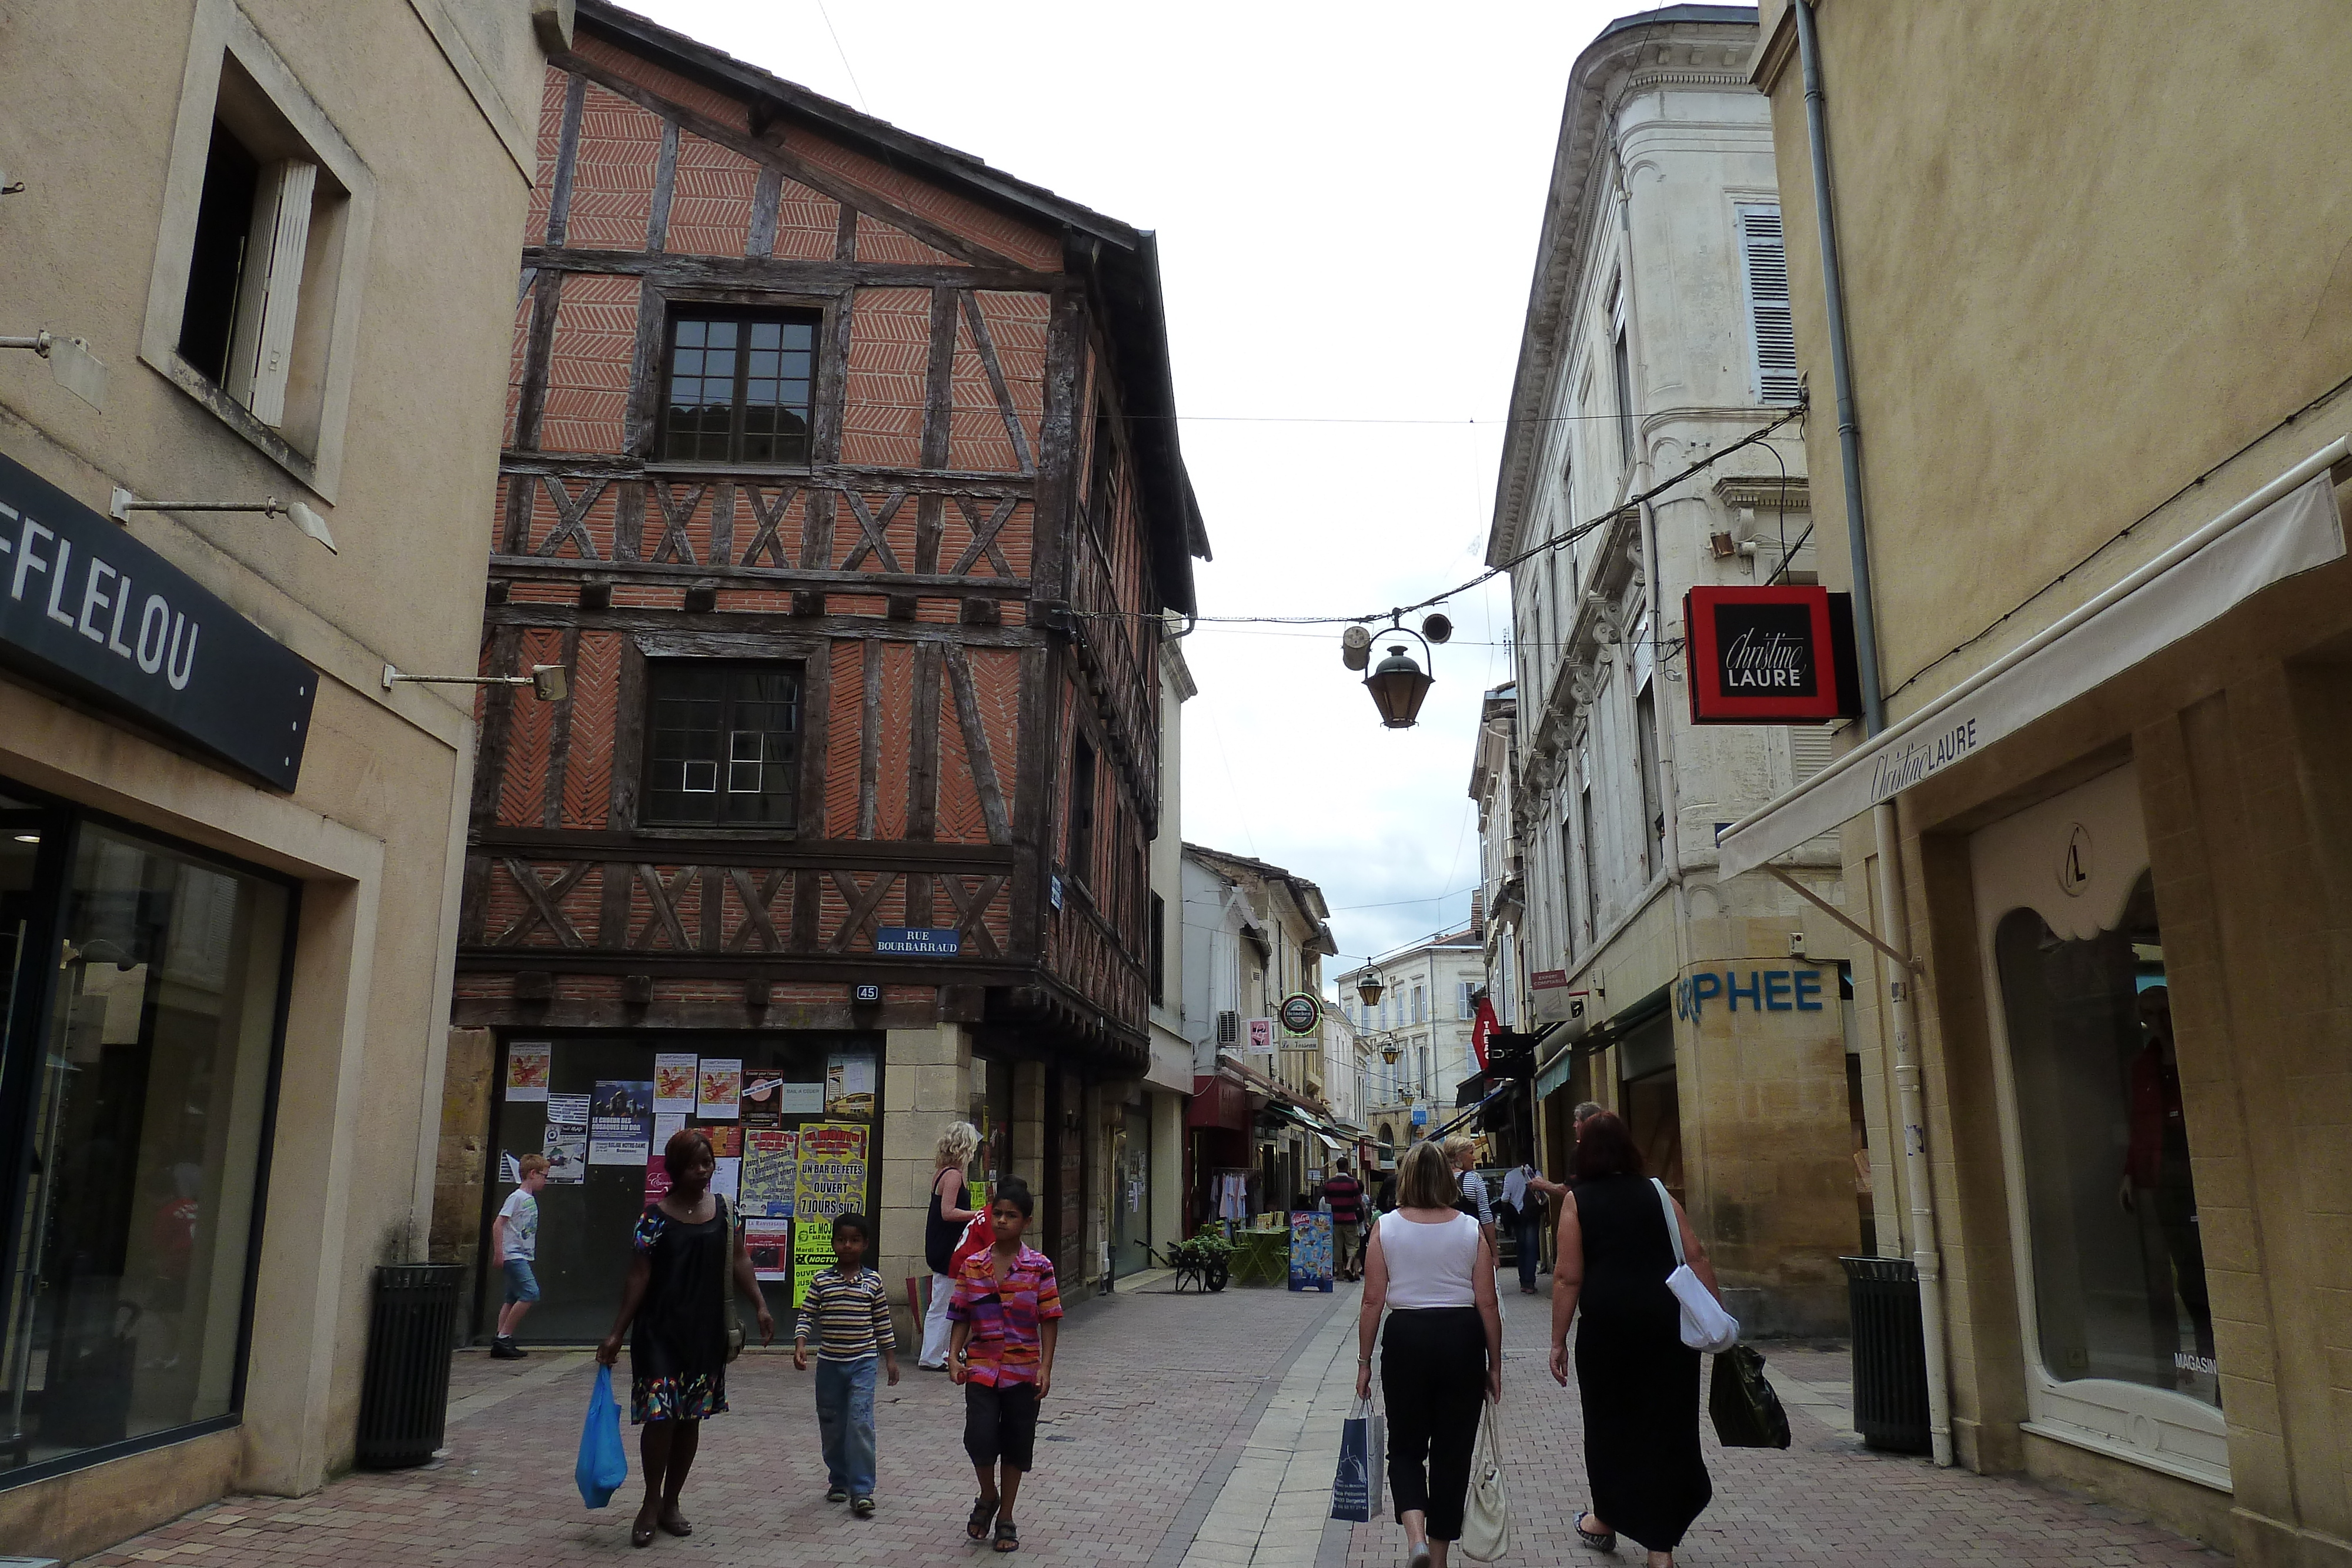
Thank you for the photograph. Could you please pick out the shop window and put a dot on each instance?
(739, 387)
(2118, 1259)
(723, 747)
(1082, 812)
(132, 1196)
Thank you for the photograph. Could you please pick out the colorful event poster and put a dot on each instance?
(656, 1180)
(674, 1082)
(621, 1123)
(1311, 1251)
(770, 1242)
(567, 1138)
(528, 1062)
(721, 1094)
(726, 1142)
(849, 1085)
(812, 1250)
(771, 1160)
(726, 1179)
(832, 1178)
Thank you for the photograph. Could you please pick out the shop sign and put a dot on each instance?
(1550, 1000)
(919, 941)
(1764, 991)
(86, 608)
(1770, 655)
(1300, 1013)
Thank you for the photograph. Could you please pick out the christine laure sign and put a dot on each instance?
(87, 608)
(1770, 655)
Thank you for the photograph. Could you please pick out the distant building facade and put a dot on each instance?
(1424, 1015)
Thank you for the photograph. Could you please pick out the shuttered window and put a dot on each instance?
(1808, 749)
(1766, 261)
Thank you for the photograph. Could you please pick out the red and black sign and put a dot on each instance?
(1770, 655)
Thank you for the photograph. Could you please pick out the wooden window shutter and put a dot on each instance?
(261, 354)
(1775, 335)
(1808, 749)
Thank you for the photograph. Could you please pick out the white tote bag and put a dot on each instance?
(1706, 1325)
(1485, 1521)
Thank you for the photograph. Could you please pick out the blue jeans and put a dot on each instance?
(845, 1419)
(522, 1284)
(1530, 1246)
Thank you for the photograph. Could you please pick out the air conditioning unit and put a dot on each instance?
(1229, 1028)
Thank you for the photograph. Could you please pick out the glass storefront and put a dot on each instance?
(143, 988)
(601, 1108)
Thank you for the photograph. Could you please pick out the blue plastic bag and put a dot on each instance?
(604, 1463)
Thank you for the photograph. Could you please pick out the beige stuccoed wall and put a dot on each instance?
(95, 92)
(926, 1090)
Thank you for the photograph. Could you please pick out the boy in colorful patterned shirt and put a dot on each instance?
(1005, 1315)
(852, 1314)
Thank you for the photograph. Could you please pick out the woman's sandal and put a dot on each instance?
(641, 1534)
(983, 1511)
(1599, 1540)
(1008, 1538)
(674, 1523)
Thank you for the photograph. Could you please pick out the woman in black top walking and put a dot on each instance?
(1638, 1380)
(674, 1310)
(943, 1226)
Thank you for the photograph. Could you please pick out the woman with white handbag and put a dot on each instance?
(1622, 1240)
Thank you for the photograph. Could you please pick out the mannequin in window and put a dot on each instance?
(2155, 1176)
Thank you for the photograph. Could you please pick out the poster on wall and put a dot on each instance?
(771, 1160)
(1311, 1251)
(726, 1174)
(656, 1180)
(849, 1085)
(832, 1178)
(812, 1250)
(674, 1082)
(726, 1142)
(720, 1098)
(770, 1243)
(621, 1123)
(567, 1137)
(528, 1062)
(667, 1125)
(800, 1099)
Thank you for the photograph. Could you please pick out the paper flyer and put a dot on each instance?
(832, 1177)
(509, 1170)
(674, 1082)
(770, 1242)
(656, 1180)
(812, 1250)
(621, 1123)
(725, 1178)
(726, 1142)
(800, 1099)
(849, 1085)
(667, 1125)
(721, 1094)
(567, 1138)
(529, 1063)
(568, 1111)
(770, 1168)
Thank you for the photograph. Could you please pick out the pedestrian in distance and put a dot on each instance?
(1639, 1382)
(1462, 1153)
(1345, 1194)
(514, 1242)
(942, 1228)
(1524, 1191)
(850, 1310)
(1432, 1268)
(1385, 1201)
(689, 1254)
(1006, 1313)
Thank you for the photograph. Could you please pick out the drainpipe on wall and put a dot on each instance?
(1918, 1181)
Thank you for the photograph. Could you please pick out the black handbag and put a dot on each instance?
(1747, 1414)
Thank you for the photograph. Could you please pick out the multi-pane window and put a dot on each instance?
(739, 388)
(1082, 812)
(722, 748)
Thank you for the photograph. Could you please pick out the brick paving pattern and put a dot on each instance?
(1182, 1430)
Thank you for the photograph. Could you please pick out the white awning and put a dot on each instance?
(2289, 526)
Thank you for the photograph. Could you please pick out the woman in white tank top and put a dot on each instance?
(1430, 1268)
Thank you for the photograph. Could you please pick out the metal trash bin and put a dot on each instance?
(1890, 1357)
(405, 1396)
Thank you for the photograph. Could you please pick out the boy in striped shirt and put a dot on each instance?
(852, 1314)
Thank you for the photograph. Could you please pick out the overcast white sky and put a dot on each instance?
(1347, 199)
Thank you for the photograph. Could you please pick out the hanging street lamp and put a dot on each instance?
(1368, 986)
(1397, 684)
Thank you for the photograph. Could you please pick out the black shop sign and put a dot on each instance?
(1770, 655)
(87, 609)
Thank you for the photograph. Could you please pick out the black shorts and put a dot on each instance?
(1001, 1424)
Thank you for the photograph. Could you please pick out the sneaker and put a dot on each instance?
(863, 1508)
(504, 1349)
(836, 1494)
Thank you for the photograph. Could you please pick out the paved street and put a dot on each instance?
(1184, 1432)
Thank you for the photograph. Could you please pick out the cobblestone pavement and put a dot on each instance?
(1183, 1432)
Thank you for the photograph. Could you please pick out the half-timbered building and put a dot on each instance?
(840, 474)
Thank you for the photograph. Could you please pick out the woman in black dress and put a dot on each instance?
(1639, 1381)
(688, 1252)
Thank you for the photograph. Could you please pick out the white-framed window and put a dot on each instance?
(1771, 332)
(253, 302)
(1464, 1007)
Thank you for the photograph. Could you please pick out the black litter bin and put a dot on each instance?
(1890, 1358)
(404, 1397)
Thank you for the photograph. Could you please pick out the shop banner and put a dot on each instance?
(674, 1082)
(720, 1098)
(812, 1250)
(831, 1176)
(770, 1243)
(1311, 1251)
(621, 1123)
(770, 1167)
(567, 1138)
(528, 1062)
(848, 1086)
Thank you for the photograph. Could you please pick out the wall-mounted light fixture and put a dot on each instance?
(124, 502)
(71, 364)
(547, 683)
